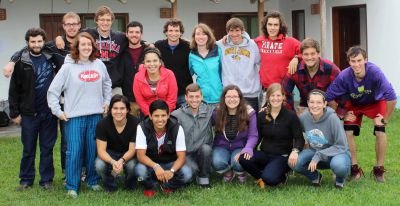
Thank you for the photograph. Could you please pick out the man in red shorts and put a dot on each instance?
(367, 92)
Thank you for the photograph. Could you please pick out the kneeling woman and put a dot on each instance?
(235, 133)
(115, 139)
(281, 139)
(327, 140)
(153, 81)
(87, 93)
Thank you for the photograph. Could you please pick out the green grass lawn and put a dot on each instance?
(296, 192)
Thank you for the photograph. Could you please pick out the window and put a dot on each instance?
(298, 25)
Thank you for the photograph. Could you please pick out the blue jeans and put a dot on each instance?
(340, 165)
(199, 162)
(104, 169)
(147, 176)
(222, 160)
(271, 169)
(44, 127)
(81, 148)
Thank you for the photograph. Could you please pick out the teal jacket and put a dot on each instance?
(208, 72)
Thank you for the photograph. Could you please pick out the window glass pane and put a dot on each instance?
(254, 27)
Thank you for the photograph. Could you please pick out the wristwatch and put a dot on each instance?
(295, 150)
(172, 170)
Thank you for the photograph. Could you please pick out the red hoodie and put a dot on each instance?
(166, 90)
(275, 57)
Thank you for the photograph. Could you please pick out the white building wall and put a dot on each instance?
(23, 14)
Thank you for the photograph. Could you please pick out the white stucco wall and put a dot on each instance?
(23, 14)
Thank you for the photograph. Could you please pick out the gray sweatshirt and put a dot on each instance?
(326, 136)
(86, 87)
(197, 128)
(241, 65)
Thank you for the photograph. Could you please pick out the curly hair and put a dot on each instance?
(174, 23)
(34, 32)
(282, 24)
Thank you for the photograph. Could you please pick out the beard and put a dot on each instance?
(134, 42)
(32, 51)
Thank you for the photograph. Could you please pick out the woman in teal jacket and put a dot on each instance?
(205, 63)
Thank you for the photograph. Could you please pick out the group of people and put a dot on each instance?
(125, 104)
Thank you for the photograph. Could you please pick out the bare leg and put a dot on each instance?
(380, 147)
(352, 147)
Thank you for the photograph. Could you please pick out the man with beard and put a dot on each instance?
(130, 60)
(71, 25)
(29, 83)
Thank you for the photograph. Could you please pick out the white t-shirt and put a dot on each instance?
(141, 140)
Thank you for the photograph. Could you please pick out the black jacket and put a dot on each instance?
(279, 136)
(21, 94)
(169, 148)
(177, 61)
(111, 50)
(129, 70)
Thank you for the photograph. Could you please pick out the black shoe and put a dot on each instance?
(206, 186)
(317, 183)
(47, 186)
(23, 187)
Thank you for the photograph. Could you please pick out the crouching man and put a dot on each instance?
(161, 151)
(195, 118)
(115, 139)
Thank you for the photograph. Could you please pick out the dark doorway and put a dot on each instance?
(298, 25)
(349, 27)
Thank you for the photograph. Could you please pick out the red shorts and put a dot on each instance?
(371, 111)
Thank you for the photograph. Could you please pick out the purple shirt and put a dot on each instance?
(374, 87)
(246, 140)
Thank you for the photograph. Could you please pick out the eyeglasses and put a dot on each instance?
(231, 97)
(71, 25)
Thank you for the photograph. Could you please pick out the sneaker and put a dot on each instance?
(166, 191)
(317, 182)
(149, 193)
(72, 194)
(95, 187)
(47, 186)
(339, 186)
(379, 174)
(228, 176)
(23, 187)
(260, 183)
(242, 177)
(356, 172)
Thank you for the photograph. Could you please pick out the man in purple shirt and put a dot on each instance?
(365, 91)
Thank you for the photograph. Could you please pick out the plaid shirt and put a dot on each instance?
(324, 76)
